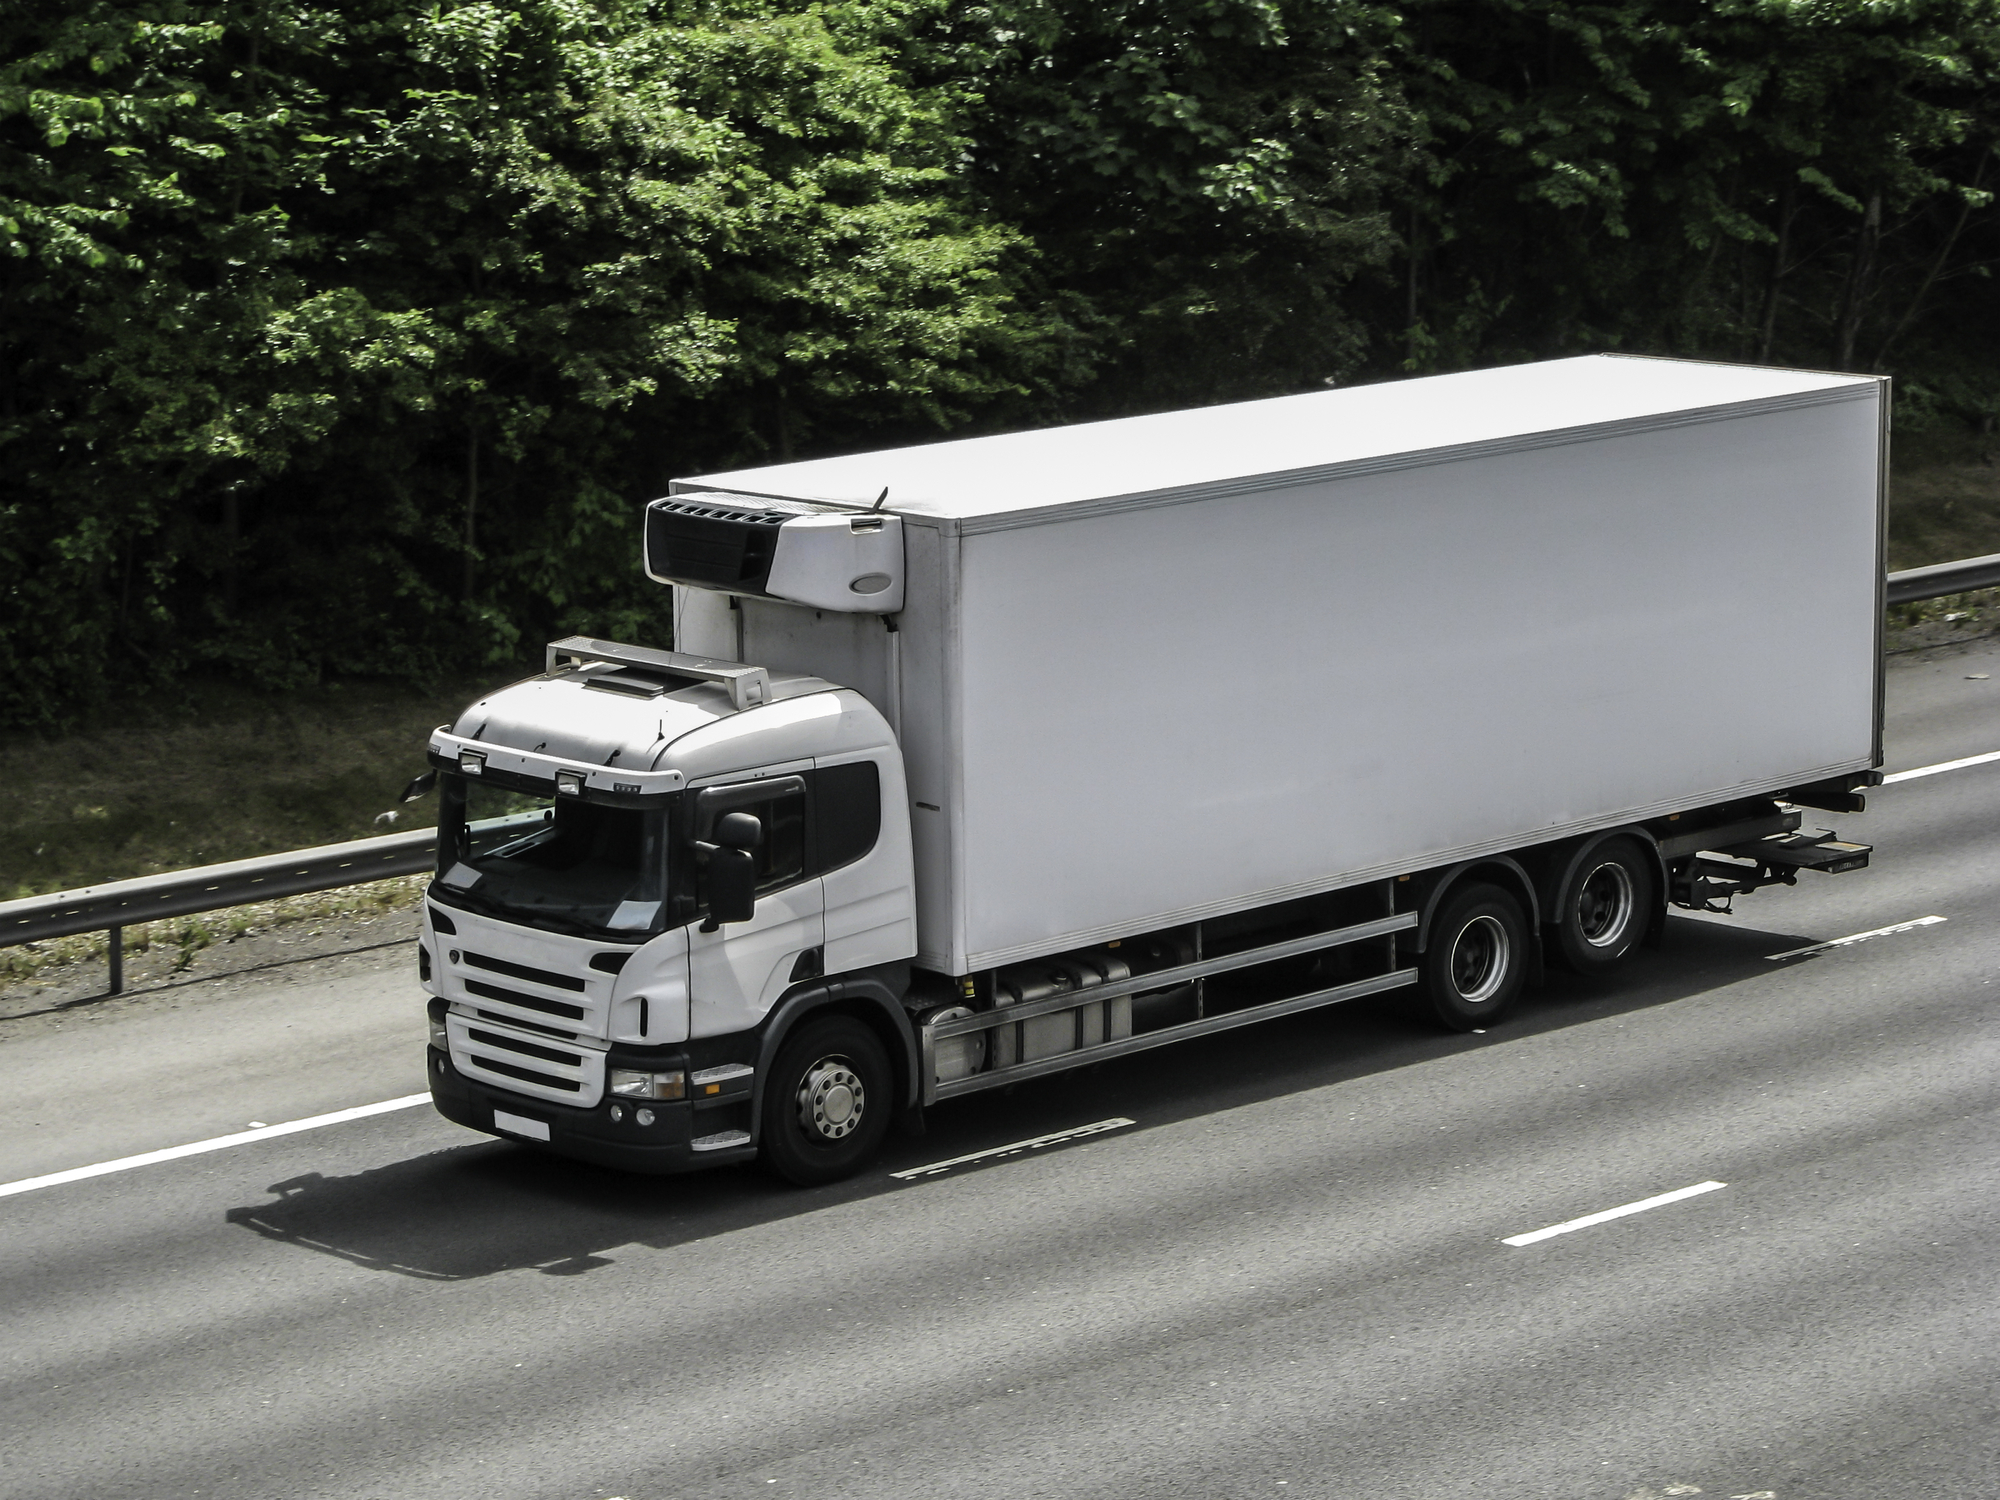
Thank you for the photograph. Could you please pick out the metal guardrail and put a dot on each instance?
(185, 893)
(1940, 579)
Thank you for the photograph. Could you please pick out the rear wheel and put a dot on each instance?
(826, 1102)
(1605, 906)
(1476, 958)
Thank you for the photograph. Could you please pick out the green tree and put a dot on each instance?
(1205, 179)
(346, 339)
(1747, 179)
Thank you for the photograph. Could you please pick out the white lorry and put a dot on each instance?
(988, 758)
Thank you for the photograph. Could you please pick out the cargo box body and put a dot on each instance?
(1167, 668)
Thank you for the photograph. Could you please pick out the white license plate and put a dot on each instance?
(534, 1130)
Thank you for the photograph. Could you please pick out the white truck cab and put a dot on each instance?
(569, 937)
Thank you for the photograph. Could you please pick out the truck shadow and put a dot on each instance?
(490, 1206)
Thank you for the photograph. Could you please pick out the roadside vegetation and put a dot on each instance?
(208, 772)
(218, 773)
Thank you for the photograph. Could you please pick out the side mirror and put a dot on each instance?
(732, 887)
(420, 786)
(732, 869)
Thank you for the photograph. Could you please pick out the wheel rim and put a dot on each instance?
(1479, 959)
(831, 1100)
(1604, 905)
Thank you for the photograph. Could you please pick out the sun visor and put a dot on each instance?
(841, 560)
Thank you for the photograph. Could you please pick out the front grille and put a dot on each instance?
(561, 1036)
(529, 1075)
(526, 1049)
(522, 971)
(529, 1002)
(525, 1064)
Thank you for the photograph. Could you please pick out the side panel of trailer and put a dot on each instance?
(1123, 714)
(1174, 711)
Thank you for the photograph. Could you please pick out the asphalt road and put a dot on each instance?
(1287, 1277)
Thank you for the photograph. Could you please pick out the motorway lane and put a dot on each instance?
(1327, 1257)
(1307, 1215)
(202, 1068)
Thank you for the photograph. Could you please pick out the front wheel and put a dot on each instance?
(1476, 959)
(827, 1101)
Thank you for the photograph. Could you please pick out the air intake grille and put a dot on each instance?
(528, 1002)
(522, 971)
(526, 1064)
(717, 546)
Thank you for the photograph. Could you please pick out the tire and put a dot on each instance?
(1476, 958)
(1605, 906)
(827, 1102)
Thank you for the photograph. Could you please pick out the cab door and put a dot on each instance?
(737, 972)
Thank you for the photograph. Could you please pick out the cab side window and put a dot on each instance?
(847, 808)
(840, 825)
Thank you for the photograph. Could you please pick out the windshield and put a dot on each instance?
(556, 862)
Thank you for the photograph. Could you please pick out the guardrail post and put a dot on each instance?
(117, 956)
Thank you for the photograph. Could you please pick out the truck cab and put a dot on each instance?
(597, 823)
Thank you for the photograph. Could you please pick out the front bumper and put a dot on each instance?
(665, 1146)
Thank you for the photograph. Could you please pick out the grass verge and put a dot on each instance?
(220, 774)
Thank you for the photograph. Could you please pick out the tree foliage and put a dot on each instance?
(343, 339)
(348, 338)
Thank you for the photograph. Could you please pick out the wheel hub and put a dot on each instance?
(831, 1099)
(1479, 960)
(1604, 905)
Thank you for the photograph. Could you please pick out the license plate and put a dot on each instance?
(534, 1130)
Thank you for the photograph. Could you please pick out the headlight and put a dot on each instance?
(630, 1085)
(440, 1037)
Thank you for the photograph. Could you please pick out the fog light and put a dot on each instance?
(617, 1112)
(471, 762)
(644, 1117)
(570, 782)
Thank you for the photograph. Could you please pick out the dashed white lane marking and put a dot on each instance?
(1853, 937)
(216, 1143)
(1943, 765)
(911, 1174)
(1613, 1213)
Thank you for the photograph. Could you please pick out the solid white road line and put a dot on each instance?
(217, 1143)
(911, 1174)
(1856, 937)
(1943, 765)
(1614, 1213)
